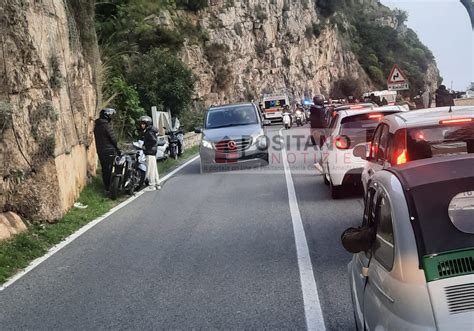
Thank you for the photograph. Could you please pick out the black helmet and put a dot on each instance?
(318, 100)
(107, 113)
(145, 120)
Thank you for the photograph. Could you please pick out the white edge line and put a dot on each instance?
(312, 306)
(53, 250)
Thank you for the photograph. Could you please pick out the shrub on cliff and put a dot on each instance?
(162, 80)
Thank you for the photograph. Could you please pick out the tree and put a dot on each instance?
(162, 80)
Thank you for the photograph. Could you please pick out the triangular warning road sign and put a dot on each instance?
(396, 76)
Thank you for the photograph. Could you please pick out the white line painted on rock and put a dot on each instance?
(312, 306)
(53, 250)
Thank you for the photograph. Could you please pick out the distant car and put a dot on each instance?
(413, 262)
(418, 134)
(232, 135)
(349, 128)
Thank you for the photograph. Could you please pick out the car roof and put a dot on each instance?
(353, 112)
(426, 117)
(429, 186)
(437, 169)
(231, 105)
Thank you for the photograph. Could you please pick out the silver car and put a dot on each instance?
(232, 135)
(413, 263)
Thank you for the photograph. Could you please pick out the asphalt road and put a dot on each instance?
(209, 251)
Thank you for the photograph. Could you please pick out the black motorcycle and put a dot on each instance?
(175, 145)
(127, 175)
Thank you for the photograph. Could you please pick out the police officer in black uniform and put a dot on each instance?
(106, 143)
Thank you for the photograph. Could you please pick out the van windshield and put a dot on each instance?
(231, 116)
(428, 142)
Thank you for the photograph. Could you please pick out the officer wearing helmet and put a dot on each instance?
(106, 143)
(317, 118)
(150, 143)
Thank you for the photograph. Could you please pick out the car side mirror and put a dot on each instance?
(356, 240)
(197, 130)
(266, 122)
(360, 151)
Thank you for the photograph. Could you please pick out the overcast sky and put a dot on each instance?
(443, 26)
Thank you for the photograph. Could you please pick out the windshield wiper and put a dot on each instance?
(229, 125)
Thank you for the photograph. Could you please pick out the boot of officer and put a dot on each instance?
(106, 143)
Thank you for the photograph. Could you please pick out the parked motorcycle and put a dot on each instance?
(299, 118)
(175, 139)
(163, 151)
(128, 174)
(286, 120)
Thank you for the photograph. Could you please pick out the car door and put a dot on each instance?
(378, 299)
(361, 260)
(378, 150)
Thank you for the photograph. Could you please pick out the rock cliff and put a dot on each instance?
(255, 47)
(48, 100)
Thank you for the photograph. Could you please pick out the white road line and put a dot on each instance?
(53, 250)
(312, 306)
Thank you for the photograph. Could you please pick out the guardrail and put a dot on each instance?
(464, 102)
(192, 139)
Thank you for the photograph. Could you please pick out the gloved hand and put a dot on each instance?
(119, 152)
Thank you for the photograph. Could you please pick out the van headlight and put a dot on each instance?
(206, 144)
(261, 142)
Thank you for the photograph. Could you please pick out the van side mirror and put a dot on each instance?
(266, 122)
(360, 150)
(356, 240)
(197, 130)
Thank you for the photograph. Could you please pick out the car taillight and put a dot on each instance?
(375, 116)
(457, 121)
(342, 142)
(356, 107)
(402, 157)
(400, 152)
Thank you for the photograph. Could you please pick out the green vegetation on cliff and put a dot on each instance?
(140, 56)
(379, 39)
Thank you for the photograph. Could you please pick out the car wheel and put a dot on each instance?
(335, 190)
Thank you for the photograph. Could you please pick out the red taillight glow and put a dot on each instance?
(377, 116)
(457, 121)
(342, 142)
(356, 107)
(402, 158)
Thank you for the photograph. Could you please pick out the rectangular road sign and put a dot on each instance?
(398, 87)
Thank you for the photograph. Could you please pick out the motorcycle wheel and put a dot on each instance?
(142, 175)
(175, 152)
(114, 188)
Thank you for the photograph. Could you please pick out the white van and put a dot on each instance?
(272, 106)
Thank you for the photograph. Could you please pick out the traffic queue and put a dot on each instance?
(413, 262)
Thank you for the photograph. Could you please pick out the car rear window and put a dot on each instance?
(428, 142)
(231, 116)
(361, 128)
